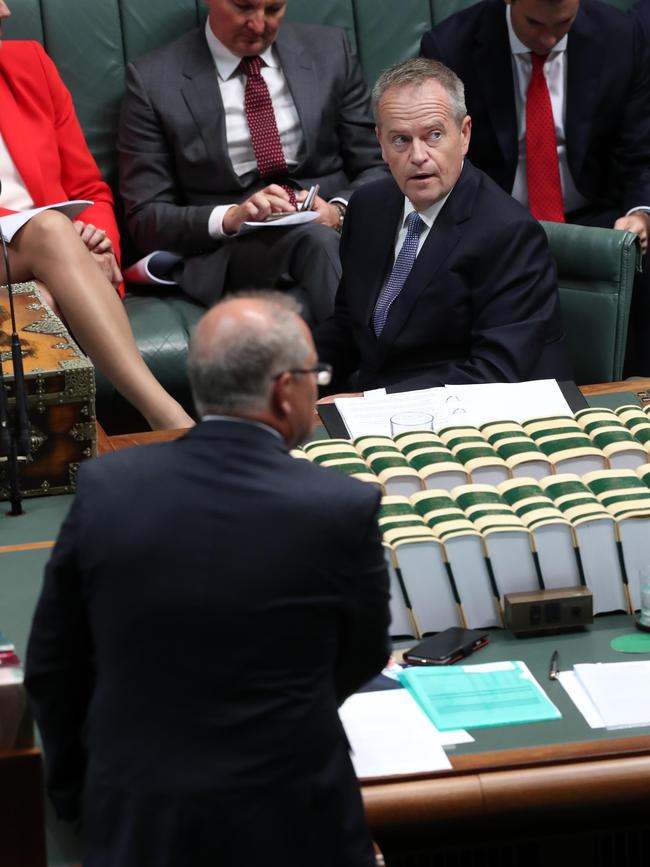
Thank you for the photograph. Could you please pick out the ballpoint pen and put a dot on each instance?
(309, 199)
(554, 666)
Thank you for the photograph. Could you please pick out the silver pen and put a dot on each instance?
(309, 198)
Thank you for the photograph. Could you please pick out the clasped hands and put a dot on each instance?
(272, 200)
(100, 247)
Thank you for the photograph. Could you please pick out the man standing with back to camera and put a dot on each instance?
(233, 122)
(186, 680)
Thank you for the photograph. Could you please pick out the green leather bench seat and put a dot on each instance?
(91, 43)
(596, 270)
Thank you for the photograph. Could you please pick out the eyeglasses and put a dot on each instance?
(322, 372)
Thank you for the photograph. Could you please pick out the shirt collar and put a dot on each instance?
(427, 216)
(239, 420)
(225, 61)
(518, 47)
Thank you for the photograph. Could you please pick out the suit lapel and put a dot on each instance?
(492, 55)
(440, 242)
(581, 98)
(302, 81)
(21, 141)
(378, 255)
(203, 98)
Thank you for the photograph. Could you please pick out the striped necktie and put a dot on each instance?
(401, 269)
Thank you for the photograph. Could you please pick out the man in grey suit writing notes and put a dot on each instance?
(234, 122)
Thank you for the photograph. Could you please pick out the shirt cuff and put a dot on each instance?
(215, 222)
(338, 199)
(645, 208)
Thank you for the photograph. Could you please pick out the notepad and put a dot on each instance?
(479, 696)
(389, 735)
(618, 691)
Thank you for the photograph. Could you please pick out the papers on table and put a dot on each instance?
(454, 405)
(389, 734)
(610, 695)
(477, 696)
(11, 223)
(297, 219)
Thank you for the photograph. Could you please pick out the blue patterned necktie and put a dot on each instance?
(401, 270)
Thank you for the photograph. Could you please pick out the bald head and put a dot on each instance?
(237, 348)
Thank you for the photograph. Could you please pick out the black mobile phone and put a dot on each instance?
(446, 647)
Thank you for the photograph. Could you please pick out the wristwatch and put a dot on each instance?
(341, 208)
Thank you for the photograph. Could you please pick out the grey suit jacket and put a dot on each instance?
(174, 163)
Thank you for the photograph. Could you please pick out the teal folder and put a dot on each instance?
(478, 696)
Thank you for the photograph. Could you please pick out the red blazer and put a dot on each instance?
(43, 136)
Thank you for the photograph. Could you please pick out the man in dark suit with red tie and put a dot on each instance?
(559, 93)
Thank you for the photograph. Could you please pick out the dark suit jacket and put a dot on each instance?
(480, 305)
(191, 671)
(642, 10)
(607, 118)
(174, 160)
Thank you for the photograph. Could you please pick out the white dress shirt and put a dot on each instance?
(14, 195)
(427, 216)
(232, 84)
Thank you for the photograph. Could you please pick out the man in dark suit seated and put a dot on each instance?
(446, 279)
(208, 605)
(233, 122)
(559, 92)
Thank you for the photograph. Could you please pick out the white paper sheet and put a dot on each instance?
(389, 734)
(581, 700)
(619, 691)
(454, 405)
(11, 223)
(297, 219)
(11, 674)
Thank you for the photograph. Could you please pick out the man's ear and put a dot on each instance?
(466, 132)
(380, 144)
(281, 404)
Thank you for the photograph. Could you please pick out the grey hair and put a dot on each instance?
(414, 73)
(233, 371)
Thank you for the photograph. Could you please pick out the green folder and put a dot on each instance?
(478, 696)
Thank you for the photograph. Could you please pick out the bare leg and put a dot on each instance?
(49, 250)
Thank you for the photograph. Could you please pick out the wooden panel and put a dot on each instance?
(22, 840)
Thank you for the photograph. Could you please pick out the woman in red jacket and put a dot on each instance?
(43, 160)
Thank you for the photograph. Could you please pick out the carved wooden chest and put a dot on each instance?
(60, 384)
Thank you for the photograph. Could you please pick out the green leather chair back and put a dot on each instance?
(596, 269)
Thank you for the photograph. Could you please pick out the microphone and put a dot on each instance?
(20, 442)
(22, 426)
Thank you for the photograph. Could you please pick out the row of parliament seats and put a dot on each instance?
(91, 44)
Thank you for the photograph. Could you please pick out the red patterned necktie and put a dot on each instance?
(265, 137)
(544, 187)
